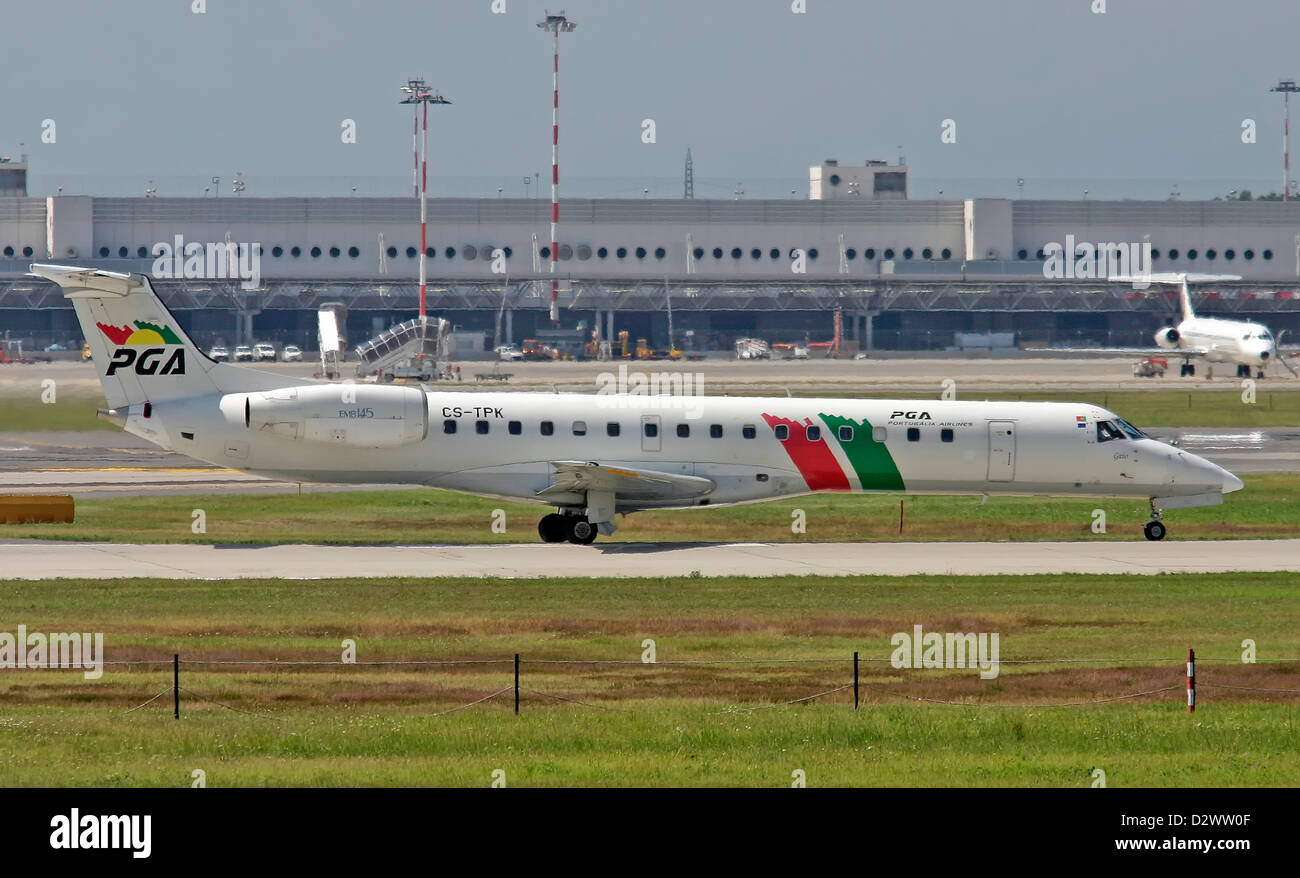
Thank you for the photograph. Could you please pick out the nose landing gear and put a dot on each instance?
(557, 528)
(1155, 528)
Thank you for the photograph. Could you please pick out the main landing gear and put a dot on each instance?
(1155, 528)
(575, 528)
(1187, 370)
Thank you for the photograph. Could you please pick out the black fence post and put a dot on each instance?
(176, 685)
(855, 679)
(516, 684)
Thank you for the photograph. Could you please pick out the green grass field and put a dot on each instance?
(1268, 507)
(660, 724)
(1146, 408)
(68, 412)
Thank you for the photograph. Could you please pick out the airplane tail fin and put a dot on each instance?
(1185, 299)
(140, 351)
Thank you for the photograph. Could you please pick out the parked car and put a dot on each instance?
(508, 352)
(56, 347)
(291, 353)
(219, 352)
(243, 352)
(263, 351)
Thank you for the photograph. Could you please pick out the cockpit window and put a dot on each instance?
(1129, 430)
(1117, 428)
(1106, 431)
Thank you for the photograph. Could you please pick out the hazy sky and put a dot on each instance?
(1152, 91)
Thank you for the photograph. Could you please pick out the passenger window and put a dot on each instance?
(814, 434)
(782, 432)
(945, 435)
(715, 431)
(548, 428)
(683, 431)
(481, 427)
(579, 428)
(748, 431)
(846, 433)
(913, 434)
(879, 434)
(1107, 431)
(651, 429)
(611, 429)
(449, 427)
(515, 428)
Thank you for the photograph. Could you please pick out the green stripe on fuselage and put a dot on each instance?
(870, 459)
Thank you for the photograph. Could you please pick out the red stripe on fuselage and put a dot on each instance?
(814, 460)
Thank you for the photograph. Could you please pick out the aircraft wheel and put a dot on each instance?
(1154, 530)
(552, 528)
(580, 531)
(1243, 371)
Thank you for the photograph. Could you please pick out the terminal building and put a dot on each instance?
(902, 273)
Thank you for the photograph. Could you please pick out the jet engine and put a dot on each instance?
(351, 415)
(1168, 338)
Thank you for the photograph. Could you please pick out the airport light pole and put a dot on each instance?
(1286, 87)
(417, 92)
(555, 24)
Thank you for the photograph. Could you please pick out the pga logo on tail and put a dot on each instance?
(149, 348)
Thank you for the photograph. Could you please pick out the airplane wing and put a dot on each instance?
(1172, 277)
(1127, 352)
(575, 476)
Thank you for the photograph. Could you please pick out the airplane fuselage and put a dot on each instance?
(750, 448)
(1224, 341)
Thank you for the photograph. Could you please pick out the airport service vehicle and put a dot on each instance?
(1243, 343)
(752, 349)
(593, 456)
(219, 352)
(291, 353)
(1151, 367)
(508, 352)
(243, 352)
(85, 352)
(263, 351)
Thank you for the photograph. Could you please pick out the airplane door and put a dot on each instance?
(1002, 451)
(650, 433)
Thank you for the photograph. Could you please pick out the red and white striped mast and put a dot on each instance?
(418, 93)
(555, 24)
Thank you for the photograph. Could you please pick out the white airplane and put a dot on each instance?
(1243, 343)
(595, 456)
